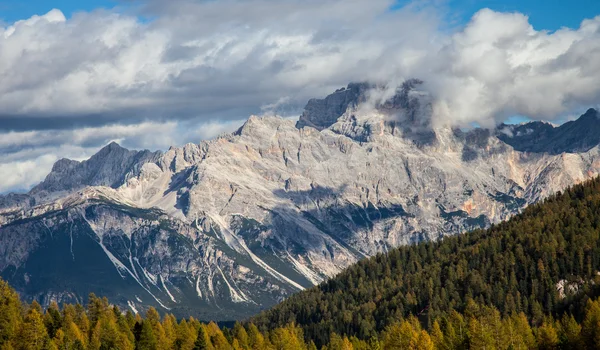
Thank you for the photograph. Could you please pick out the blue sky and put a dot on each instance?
(12, 10)
(544, 14)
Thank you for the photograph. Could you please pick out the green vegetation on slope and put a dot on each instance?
(101, 326)
(516, 267)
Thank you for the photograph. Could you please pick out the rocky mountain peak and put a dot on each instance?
(362, 111)
(113, 145)
(235, 224)
(322, 113)
(111, 151)
(63, 164)
(591, 115)
(578, 135)
(108, 167)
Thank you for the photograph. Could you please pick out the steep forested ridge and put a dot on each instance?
(544, 261)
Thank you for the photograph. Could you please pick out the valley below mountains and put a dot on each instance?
(228, 227)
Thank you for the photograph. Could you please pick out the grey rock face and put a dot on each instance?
(109, 167)
(575, 136)
(321, 113)
(136, 258)
(233, 225)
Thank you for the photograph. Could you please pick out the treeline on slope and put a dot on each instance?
(544, 261)
(101, 326)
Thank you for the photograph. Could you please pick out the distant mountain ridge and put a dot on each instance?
(230, 226)
(109, 167)
(575, 136)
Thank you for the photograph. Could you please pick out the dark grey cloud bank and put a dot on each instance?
(163, 73)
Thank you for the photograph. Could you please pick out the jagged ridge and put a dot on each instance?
(281, 206)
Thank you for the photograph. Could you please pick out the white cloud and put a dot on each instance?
(198, 68)
(196, 58)
(22, 175)
(227, 58)
(500, 66)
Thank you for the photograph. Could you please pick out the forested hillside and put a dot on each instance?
(102, 326)
(545, 261)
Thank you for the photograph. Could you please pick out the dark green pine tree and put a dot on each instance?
(201, 341)
(147, 339)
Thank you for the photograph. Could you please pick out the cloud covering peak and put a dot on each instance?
(173, 72)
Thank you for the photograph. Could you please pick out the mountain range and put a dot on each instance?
(227, 227)
(541, 266)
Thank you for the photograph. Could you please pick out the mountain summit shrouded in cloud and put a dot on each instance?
(156, 75)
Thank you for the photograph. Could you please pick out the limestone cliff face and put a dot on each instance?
(229, 226)
(321, 113)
